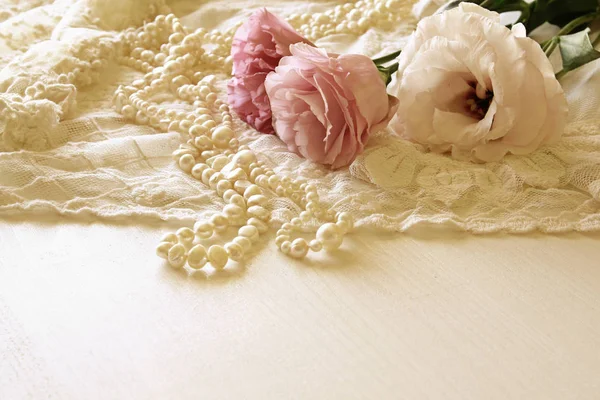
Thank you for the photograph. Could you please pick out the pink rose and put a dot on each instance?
(325, 106)
(257, 47)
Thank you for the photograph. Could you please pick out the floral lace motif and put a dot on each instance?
(64, 150)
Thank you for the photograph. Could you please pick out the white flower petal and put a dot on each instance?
(518, 105)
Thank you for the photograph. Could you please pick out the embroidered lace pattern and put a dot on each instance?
(68, 148)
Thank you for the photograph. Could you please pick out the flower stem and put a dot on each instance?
(550, 45)
(561, 73)
(387, 58)
(577, 22)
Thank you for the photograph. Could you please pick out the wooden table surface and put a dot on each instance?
(88, 312)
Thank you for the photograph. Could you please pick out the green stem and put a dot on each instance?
(576, 23)
(561, 73)
(550, 46)
(521, 6)
(387, 58)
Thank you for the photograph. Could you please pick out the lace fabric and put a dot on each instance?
(65, 151)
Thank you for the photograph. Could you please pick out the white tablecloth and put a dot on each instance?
(88, 312)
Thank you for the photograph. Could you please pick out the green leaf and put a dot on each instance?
(493, 5)
(500, 6)
(576, 50)
(558, 12)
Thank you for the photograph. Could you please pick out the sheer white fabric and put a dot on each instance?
(63, 150)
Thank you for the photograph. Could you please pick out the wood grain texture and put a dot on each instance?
(387, 317)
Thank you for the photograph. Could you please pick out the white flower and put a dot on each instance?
(469, 85)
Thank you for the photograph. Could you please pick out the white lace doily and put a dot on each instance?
(64, 150)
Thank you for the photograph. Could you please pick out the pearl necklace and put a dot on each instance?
(175, 61)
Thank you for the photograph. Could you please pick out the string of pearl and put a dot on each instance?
(352, 18)
(174, 60)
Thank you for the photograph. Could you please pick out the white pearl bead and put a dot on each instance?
(274, 181)
(299, 248)
(209, 124)
(128, 112)
(233, 212)
(186, 236)
(241, 186)
(260, 225)
(197, 257)
(305, 216)
(223, 186)
(285, 247)
(217, 256)
(221, 136)
(296, 222)
(287, 227)
(238, 201)
(215, 179)
(237, 174)
(262, 181)
(176, 256)
(141, 118)
(162, 250)
(255, 173)
(329, 234)
(312, 207)
(176, 38)
(346, 219)
(280, 239)
(210, 99)
(244, 242)
(220, 222)
(219, 162)
(203, 230)
(198, 169)
(185, 125)
(344, 216)
(170, 237)
(343, 226)
(177, 154)
(235, 251)
(330, 215)
(250, 232)
(252, 190)
(312, 196)
(160, 58)
(207, 174)
(259, 212)
(315, 245)
(179, 81)
(244, 158)
(257, 200)
(229, 194)
(201, 141)
(310, 188)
